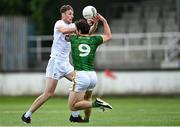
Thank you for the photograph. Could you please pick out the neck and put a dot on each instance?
(83, 34)
(66, 21)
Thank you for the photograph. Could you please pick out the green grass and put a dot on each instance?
(127, 111)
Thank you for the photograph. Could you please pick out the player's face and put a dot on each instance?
(68, 16)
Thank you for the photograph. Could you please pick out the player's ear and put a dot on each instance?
(62, 15)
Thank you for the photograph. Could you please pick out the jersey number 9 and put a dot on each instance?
(84, 49)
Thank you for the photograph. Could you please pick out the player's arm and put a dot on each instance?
(60, 27)
(66, 30)
(107, 32)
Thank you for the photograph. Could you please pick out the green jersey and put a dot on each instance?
(83, 49)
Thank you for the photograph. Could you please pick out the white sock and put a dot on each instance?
(75, 113)
(28, 114)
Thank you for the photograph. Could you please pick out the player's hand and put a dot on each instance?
(100, 17)
(93, 20)
(76, 32)
(90, 22)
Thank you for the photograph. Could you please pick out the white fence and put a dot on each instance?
(137, 82)
(13, 43)
(147, 44)
(169, 43)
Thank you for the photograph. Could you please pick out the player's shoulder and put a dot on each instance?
(98, 38)
(59, 22)
(62, 23)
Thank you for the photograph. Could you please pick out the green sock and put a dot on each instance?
(94, 104)
(86, 119)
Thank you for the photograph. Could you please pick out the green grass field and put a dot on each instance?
(127, 111)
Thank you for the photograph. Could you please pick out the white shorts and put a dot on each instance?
(56, 69)
(84, 80)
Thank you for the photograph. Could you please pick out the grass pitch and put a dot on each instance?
(127, 111)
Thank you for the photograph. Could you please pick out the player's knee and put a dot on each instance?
(74, 106)
(71, 106)
(72, 109)
(49, 94)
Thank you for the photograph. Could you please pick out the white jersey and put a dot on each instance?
(61, 48)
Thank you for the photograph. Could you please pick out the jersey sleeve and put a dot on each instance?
(58, 24)
(99, 39)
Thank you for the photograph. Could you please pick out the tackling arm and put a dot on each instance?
(66, 30)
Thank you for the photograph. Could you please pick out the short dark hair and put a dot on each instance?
(65, 8)
(83, 26)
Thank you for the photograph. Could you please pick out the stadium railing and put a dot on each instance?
(168, 43)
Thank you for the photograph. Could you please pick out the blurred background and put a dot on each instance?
(143, 56)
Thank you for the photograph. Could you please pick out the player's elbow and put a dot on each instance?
(72, 106)
(107, 37)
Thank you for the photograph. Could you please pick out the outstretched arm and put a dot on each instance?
(107, 32)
